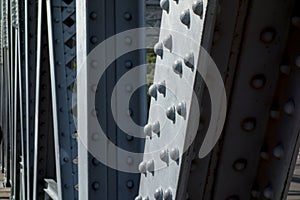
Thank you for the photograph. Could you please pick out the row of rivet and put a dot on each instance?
(159, 194)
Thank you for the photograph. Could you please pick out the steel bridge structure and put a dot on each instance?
(220, 120)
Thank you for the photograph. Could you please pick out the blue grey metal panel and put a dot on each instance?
(102, 20)
(61, 19)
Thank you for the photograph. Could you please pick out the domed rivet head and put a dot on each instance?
(96, 185)
(156, 127)
(249, 124)
(264, 155)
(93, 15)
(153, 91)
(297, 61)
(268, 192)
(148, 130)
(258, 81)
(129, 88)
(130, 184)
(161, 87)
(296, 21)
(130, 160)
(128, 64)
(164, 155)
(174, 154)
(150, 166)
(289, 107)
(94, 40)
(185, 18)
(128, 40)
(168, 42)
(285, 69)
(198, 7)
(278, 152)
(127, 16)
(181, 109)
(255, 193)
(170, 112)
(168, 194)
(158, 49)
(129, 137)
(240, 165)
(138, 198)
(177, 67)
(158, 194)
(268, 35)
(189, 60)
(274, 114)
(164, 4)
(143, 167)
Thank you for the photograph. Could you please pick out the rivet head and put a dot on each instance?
(240, 165)
(161, 87)
(249, 124)
(150, 166)
(297, 61)
(130, 160)
(264, 155)
(127, 16)
(189, 60)
(143, 167)
(181, 109)
(255, 193)
(146, 198)
(268, 193)
(96, 185)
(278, 152)
(168, 194)
(128, 64)
(268, 35)
(130, 184)
(158, 49)
(274, 114)
(129, 137)
(138, 198)
(158, 194)
(94, 40)
(198, 7)
(156, 127)
(289, 107)
(174, 154)
(185, 17)
(258, 81)
(153, 91)
(285, 69)
(168, 42)
(129, 88)
(93, 15)
(177, 67)
(170, 112)
(128, 40)
(164, 4)
(296, 21)
(164, 155)
(148, 130)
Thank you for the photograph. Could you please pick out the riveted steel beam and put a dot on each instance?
(96, 22)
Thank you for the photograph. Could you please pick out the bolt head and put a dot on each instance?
(278, 152)
(170, 112)
(240, 165)
(164, 155)
(249, 124)
(143, 167)
(156, 127)
(177, 67)
(153, 91)
(181, 109)
(289, 107)
(189, 60)
(158, 194)
(148, 130)
(198, 7)
(174, 154)
(158, 49)
(168, 194)
(168, 43)
(164, 4)
(185, 17)
(150, 166)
